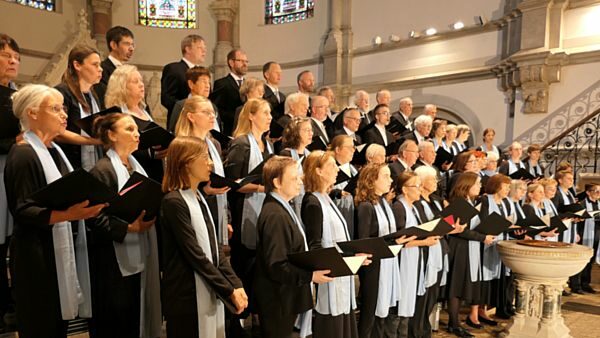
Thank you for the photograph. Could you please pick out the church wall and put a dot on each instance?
(285, 42)
(581, 27)
(384, 17)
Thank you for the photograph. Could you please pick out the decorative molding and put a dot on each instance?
(288, 65)
(102, 6)
(224, 10)
(443, 36)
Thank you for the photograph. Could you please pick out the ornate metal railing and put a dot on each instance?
(577, 145)
(570, 134)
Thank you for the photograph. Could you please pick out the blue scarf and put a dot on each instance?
(492, 264)
(409, 264)
(474, 255)
(435, 261)
(568, 235)
(297, 201)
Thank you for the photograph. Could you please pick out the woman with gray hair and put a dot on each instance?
(51, 275)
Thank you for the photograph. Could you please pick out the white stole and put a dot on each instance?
(72, 266)
(512, 167)
(336, 297)
(297, 201)
(589, 226)
(492, 264)
(435, 261)
(567, 235)
(211, 311)
(474, 255)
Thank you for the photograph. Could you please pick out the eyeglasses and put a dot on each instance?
(413, 186)
(241, 60)
(208, 113)
(57, 108)
(16, 57)
(355, 119)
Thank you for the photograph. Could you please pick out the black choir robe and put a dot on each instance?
(115, 299)
(226, 96)
(9, 124)
(281, 289)
(182, 257)
(343, 326)
(277, 106)
(73, 151)
(32, 247)
(396, 168)
(367, 227)
(373, 135)
(173, 86)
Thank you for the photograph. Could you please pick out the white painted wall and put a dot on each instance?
(372, 18)
(582, 27)
(467, 52)
(285, 42)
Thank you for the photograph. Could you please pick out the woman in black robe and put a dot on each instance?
(116, 290)
(246, 151)
(197, 276)
(282, 290)
(41, 312)
(82, 73)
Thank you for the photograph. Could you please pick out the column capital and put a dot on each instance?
(102, 6)
(224, 10)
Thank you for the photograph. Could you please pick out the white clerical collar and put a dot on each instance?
(115, 61)
(189, 63)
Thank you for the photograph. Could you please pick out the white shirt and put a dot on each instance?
(114, 60)
(382, 131)
(237, 79)
(188, 63)
(349, 132)
(275, 91)
(322, 127)
(420, 138)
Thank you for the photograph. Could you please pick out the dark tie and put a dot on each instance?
(211, 233)
(239, 82)
(276, 93)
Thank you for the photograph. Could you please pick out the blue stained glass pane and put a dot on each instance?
(46, 5)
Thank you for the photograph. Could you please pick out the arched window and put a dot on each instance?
(167, 13)
(47, 5)
(282, 11)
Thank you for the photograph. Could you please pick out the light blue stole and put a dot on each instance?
(139, 253)
(409, 269)
(512, 167)
(297, 201)
(222, 220)
(567, 234)
(492, 264)
(474, 255)
(304, 320)
(435, 261)
(72, 265)
(388, 291)
(252, 201)
(336, 297)
(589, 226)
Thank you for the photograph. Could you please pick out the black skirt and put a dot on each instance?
(342, 326)
(459, 282)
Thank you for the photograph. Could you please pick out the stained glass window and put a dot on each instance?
(47, 5)
(167, 13)
(282, 11)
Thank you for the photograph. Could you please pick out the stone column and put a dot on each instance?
(337, 51)
(101, 22)
(225, 12)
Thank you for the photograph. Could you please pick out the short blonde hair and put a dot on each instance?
(249, 84)
(116, 90)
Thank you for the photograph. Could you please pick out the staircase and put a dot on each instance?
(570, 134)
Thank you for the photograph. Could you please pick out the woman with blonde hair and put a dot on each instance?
(534, 206)
(247, 150)
(126, 90)
(251, 88)
(197, 118)
(197, 276)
